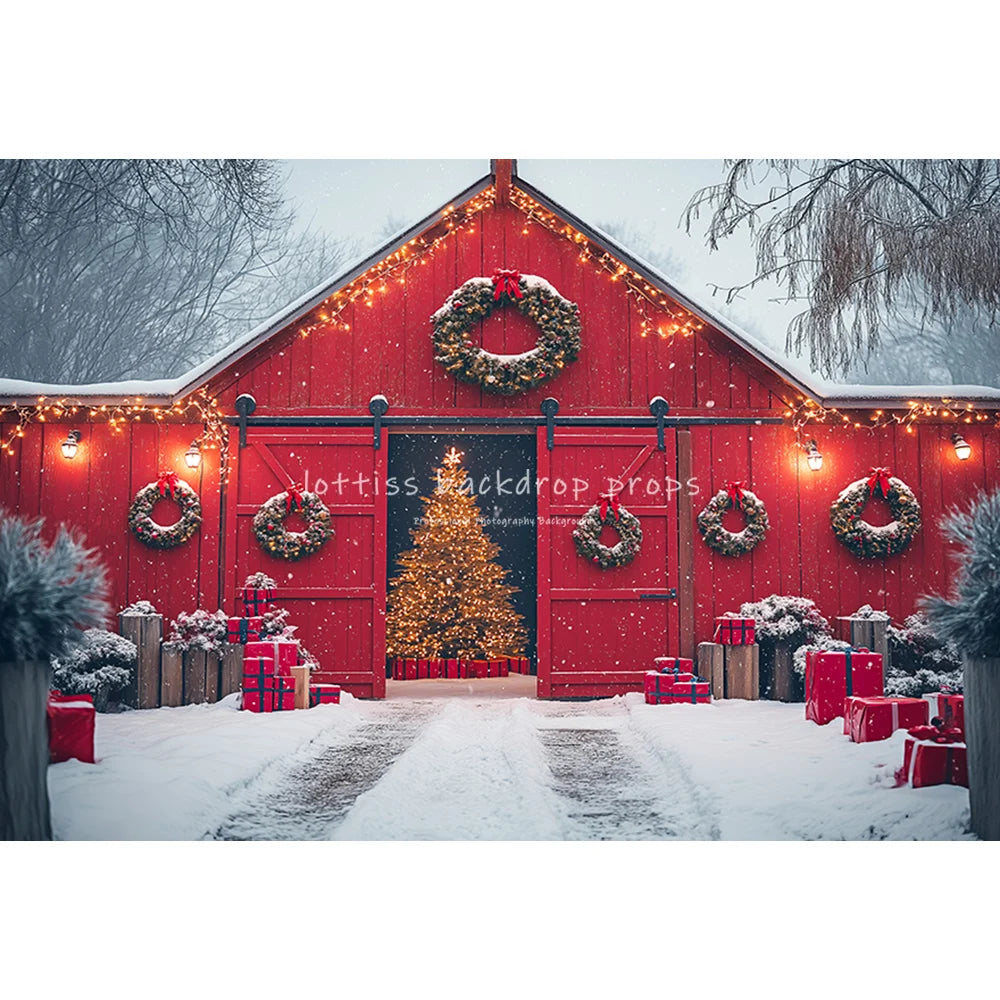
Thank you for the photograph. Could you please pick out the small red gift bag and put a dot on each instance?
(71, 721)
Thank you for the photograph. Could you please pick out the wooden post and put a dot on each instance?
(232, 669)
(213, 667)
(685, 549)
(742, 665)
(171, 675)
(712, 668)
(982, 738)
(195, 662)
(146, 631)
(783, 687)
(301, 675)
(503, 175)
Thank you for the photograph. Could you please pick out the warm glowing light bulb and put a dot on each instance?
(813, 457)
(962, 447)
(70, 445)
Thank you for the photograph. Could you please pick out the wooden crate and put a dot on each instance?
(867, 633)
(301, 675)
(231, 669)
(742, 671)
(171, 675)
(711, 666)
(784, 683)
(146, 631)
(195, 667)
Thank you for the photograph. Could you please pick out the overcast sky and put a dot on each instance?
(355, 198)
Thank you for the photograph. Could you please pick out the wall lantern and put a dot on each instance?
(71, 443)
(962, 447)
(193, 455)
(813, 457)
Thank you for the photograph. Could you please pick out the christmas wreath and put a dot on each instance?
(587, 533)
(557, 318)
(159, 536)
(276, 540)
(733, 543)
(864, 539)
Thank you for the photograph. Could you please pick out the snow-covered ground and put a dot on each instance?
(433, 766)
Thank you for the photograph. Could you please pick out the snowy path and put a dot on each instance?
(462, 763)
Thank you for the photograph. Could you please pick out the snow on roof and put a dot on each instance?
(822, 390)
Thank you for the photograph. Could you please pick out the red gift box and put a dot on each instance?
(269, 693)
(950, 708)
(832, 676)
(477, 668)
(284, 653)
(404, 669)
(71, 720)
(324, 694)
(926, 762)
(451, 669)
(243, 630)
(736, 631)
(256, 600)
(674, 665)
(520, 665)
(497, 668)
(434, 668)
(665, 689)
(259, 687)
(869, 719)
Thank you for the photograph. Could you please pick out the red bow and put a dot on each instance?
(736, 493)
(939, 734)
(293, 497)
(167, 483)
(879, 480)
(507, 282)
(609, 500)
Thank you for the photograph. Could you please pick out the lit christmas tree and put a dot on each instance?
(449, 599)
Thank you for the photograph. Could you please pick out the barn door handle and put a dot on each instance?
(670, 595)
(549, 408)
(378, 406)
(659, 407)
(245, 405)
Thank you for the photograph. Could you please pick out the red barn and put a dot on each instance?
(731, 412)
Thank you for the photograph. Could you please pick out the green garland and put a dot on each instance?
(275, 540)
(588, 531)
(557, 318)
(867, 540)
(733, 543)
(159, 536)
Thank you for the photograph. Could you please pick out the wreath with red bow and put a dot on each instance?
(557, 318)
(587, 533)
(276, 540)
(733, 543)
(867, 540)
(164, 536)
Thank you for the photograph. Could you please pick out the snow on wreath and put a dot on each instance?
(276, 540)
(164, 536)
(557, 318)
(733, 543)
(865, 539)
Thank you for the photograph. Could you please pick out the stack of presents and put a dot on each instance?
(848, 684)
(429, 669)
(275, 677)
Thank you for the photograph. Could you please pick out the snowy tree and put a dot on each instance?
(856, 237)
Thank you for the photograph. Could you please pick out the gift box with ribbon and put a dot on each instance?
(451, 669)
(869, 719)
(832, 676)
(666, 689)
(477, 668)
(260, 684)
(404, 669)
(284, 653)
(673, 665)
(498, 668)
(256, 600)
(736, 631)
(938, 760)
(71, 720)
(243, 630)
(949, 708)
(520, 665)
(324, 694)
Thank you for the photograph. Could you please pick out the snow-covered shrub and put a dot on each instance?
(921, 662)
(924, 681)
(102, 666)
(818, 645)
(48, 592)
(782, 618)
(200, 630)
(274, 625)
(868, 612)
(139, 608)
(260, 581)
(972, 620)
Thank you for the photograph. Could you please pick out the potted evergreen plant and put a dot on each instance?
(48, 592)
(972, 622)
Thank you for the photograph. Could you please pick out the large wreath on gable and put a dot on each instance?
(276, 540)
(557, 318)
(164, 536)
(733, 543)
(587, 534)
(867, 540)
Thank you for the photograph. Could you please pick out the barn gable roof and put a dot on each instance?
(828, 394)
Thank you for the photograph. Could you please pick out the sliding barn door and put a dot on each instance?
(599, 629)
(336, 597)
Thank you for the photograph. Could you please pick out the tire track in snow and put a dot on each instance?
(303, 797)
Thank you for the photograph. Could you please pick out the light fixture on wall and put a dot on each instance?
(71, 443)
(193, 455)
(813, 457)
(962, 447)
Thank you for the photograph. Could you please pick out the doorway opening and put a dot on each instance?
(499, 472)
